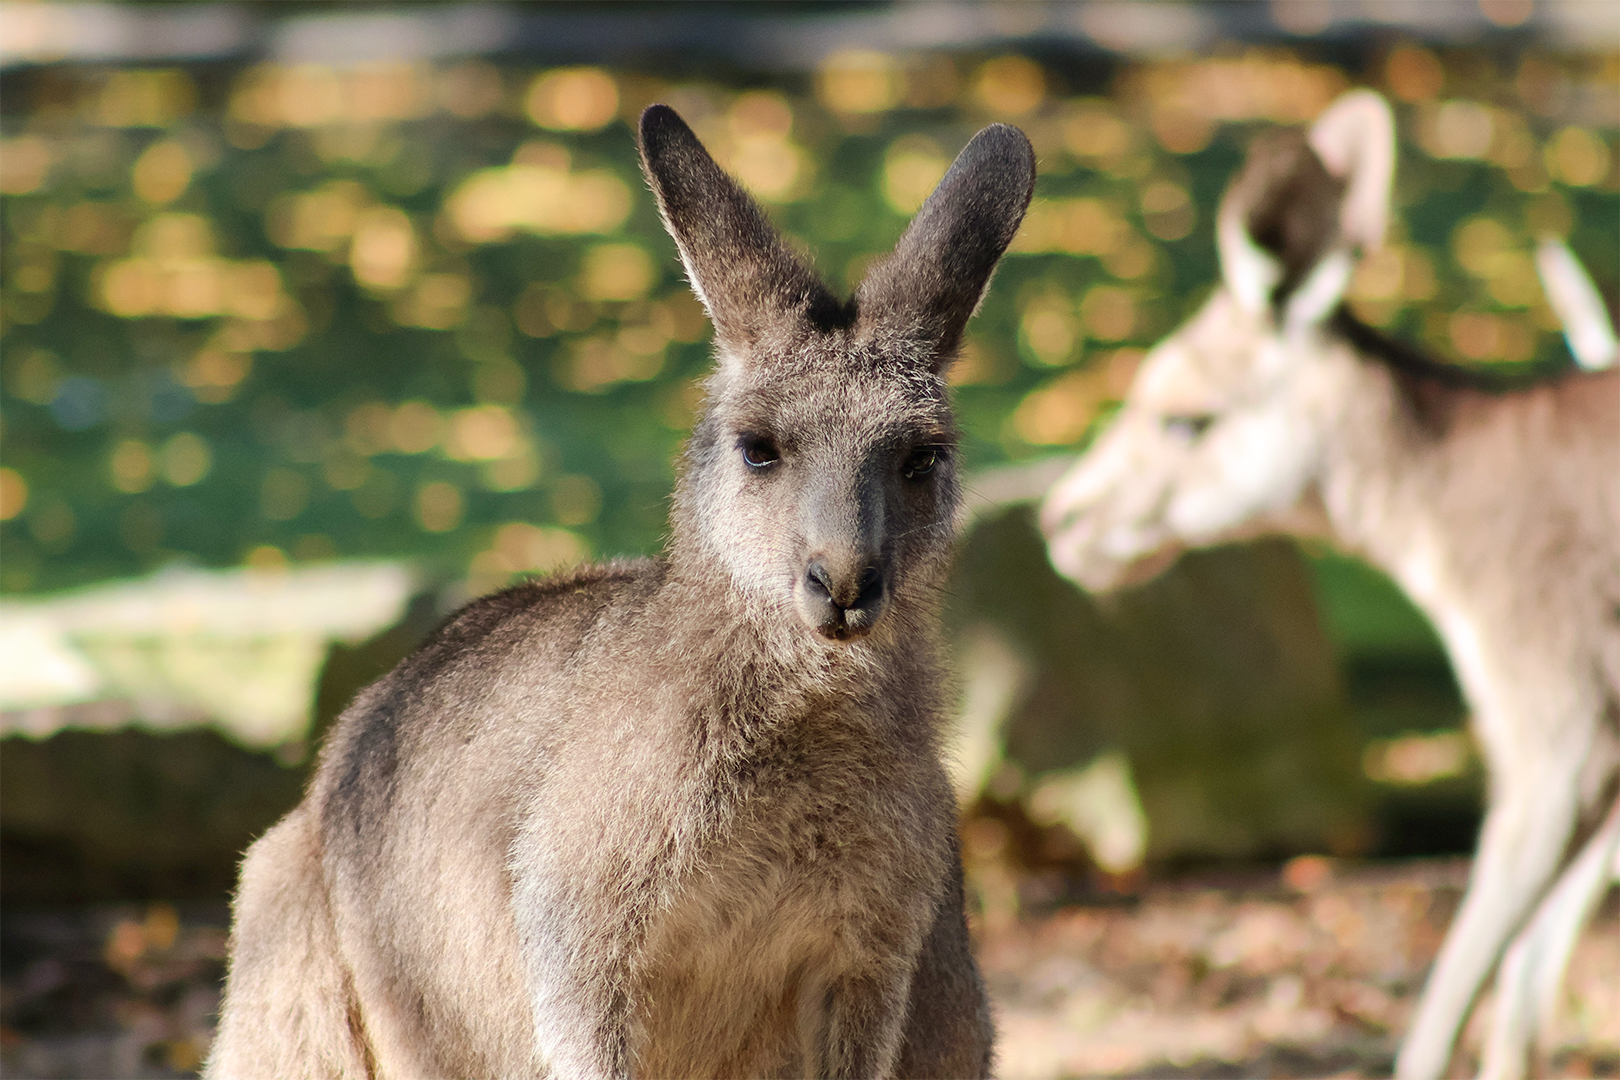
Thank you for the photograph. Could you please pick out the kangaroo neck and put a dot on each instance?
(1384, 471)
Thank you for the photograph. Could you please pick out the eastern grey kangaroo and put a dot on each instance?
(1496, 509)
(685, 816)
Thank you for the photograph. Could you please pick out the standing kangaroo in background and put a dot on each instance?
(1497, 510)
(678, 817)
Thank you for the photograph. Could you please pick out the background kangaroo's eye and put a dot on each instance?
(1188, 426)
(759, 451)
(920, 463)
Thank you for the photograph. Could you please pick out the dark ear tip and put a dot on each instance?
(660, 125)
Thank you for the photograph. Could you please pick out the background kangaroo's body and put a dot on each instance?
(683, 817)
(1497, 510)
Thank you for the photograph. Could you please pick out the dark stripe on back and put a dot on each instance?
(1431, 387)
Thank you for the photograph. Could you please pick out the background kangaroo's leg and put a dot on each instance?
(948, 1030)
(1531, 816)
(1533, 970)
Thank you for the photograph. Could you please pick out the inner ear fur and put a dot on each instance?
(930, 286)
(735, 261)
(1304, 204)
(1288, 203)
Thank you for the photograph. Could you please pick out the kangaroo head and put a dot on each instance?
(821, 478)
(1222, 429)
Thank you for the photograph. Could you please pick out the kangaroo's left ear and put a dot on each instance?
(930, 286)
(1355, 139)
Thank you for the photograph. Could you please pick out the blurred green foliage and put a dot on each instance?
(265, 314)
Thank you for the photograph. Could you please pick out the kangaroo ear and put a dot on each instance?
(734, 260)
(930, 286)
(1355, 140)
(1278, 231)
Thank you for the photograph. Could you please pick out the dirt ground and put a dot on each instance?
(1304, 972)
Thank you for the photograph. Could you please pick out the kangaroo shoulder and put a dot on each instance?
(436, 696)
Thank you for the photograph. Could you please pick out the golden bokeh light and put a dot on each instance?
(1109, 312)
(572, 99)
(13, 493)
(1083, 226)
(1413, 73)
(1050, 330)
(384, 249)
(185, 459)
(131, 466)
(483, 433)
(912, 166)
(1457, 129)
(1095, 133)
(135, 97)
(1578, 157)
(1010, 87)
(575, 500)
(25, 164)
(537, 193)
(434, 302)
(598, 363)
(616, 272)
(162, 173)
(415, 428)
(859, 82)
(1059, 412)
(438, 506)
(521, 547)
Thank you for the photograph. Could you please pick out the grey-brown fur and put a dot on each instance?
(678, 817)
(1495, 507)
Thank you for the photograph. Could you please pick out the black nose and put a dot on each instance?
(844, 607)
(867, 589)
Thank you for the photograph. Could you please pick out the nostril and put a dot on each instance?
(817, 580)
(871, 587)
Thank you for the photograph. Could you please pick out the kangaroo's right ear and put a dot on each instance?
(734, 260)
(932, 283)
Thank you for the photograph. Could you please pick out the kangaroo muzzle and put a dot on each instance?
(842, 599)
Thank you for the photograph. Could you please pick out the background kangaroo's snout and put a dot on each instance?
(842, 597)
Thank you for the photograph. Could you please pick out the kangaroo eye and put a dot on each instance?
(920, 463)
(1189, 426)
(759, 451)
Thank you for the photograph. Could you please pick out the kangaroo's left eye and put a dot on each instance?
(1189, 427)
(759, 451)
(920, 463)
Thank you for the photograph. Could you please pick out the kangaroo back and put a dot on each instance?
(681, 816)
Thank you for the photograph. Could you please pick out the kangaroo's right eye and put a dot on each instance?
(758, 451)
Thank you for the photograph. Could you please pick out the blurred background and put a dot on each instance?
(320, 319)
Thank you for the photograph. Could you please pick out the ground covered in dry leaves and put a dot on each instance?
(1308, 972)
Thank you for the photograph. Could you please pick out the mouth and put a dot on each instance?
(1081, 555)
(832, 621)
(846, 626)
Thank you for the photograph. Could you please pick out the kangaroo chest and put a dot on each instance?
(816, 874)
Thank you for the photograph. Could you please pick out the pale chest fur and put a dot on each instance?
(816, 874)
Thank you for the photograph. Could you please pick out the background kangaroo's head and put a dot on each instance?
(821, 478)
(1223, 426)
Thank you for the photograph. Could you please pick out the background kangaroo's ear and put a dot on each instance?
(932, 283)
(1279, 219)
(734, 260)
(1355, 140)
(1304, 206)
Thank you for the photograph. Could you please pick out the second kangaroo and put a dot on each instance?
(677, 817)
